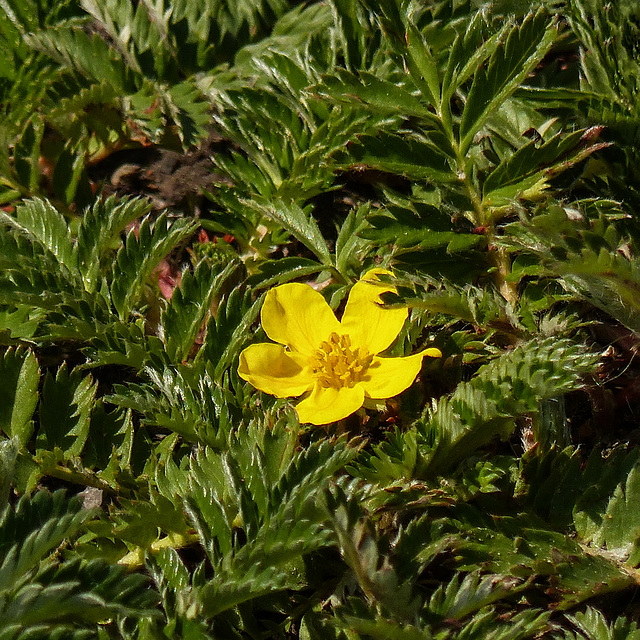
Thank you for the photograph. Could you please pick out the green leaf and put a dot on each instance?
(45, 595)
(65, 411)
(67, 174)
(174, 572)
(530, 168)
(281, 517)
(525, 45)
(140, 255)
(20, 375)
(349, 246)
(298, 222)
(191, 304)
(459, 598)
(468, 51)
(512, 384)
(229, 330)
(99, 234)
(371, 624)
(405, 231)
(410, 157)
(92, 56)
(528, 159)
(362, 553)
(280, 270)
(381, 95)
(44, 525)
(189, 111)
(588, 256)
(44, 224)
(390, 14)
(423, 67)
(593, 625)
(620, 528)
(8, 455)
(26, 155)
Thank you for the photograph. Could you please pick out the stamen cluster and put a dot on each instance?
(336, 364)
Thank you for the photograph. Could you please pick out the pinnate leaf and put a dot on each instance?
(525, 45)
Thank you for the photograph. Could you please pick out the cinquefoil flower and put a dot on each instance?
(335, 362)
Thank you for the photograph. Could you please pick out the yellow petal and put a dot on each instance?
(326, 405)
(271, 369)
(368, 323)
(387, 377)
(297, 316)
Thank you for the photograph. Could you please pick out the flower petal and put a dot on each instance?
(387, 377)
(271, 369)
(326, 405)
(297, 316)
(369, 324)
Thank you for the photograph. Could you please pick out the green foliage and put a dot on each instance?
(588, 254)
(40, 595)
(99, 75)
(191, 306)
(20, 375)
(63, 272)
(481, 409)
(592, 624)
(139, 256)
(165, 164)
(596, 500)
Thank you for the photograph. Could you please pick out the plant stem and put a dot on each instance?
(498, 256)
(83, 478)
(501, 262)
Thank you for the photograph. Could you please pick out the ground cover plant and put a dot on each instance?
(319, 320)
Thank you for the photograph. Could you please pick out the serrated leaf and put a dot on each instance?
(278, 509)
(189, 112)
(460, 598)
(298, 222)
(99, 233)
(139, 256)
(174, 572)
(525, 173)
(377, 627)
(468, 52)
(511, 385)
(404, 231)
(525, 45)
(529, 158)
(415, 159)
(44, 225)
(620, 528)
(71, 47)
(348, 244)
(65, 411)
(423, 67)
(67, 174)
(381, 95)
(8, 455)
(40, 533)
(594, 626)
(586, 256)
(280, 270)
(20, 375)
(47, 596)
(190, 306)
(229, 330)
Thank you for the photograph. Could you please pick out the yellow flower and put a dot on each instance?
(335, 361)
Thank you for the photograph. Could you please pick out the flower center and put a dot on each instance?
(336, 364)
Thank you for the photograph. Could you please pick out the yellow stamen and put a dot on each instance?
(337, 365)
